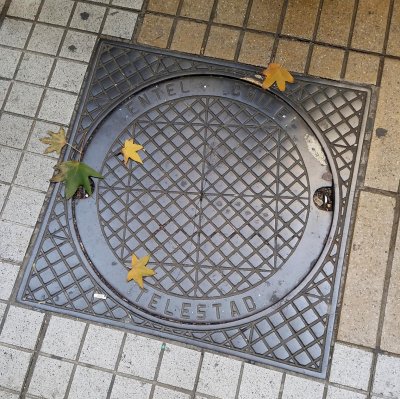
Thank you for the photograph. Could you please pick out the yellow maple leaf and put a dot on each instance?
(276, 73)
(55, 141)
(139, 269)
(129, 150)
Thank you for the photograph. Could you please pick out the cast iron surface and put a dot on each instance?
(234, 202)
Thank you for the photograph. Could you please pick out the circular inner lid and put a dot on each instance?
(223, 201)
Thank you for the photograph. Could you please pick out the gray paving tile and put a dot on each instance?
(45, 39)
(4, 394)
(13, 365)
(4, 85)
(366, 270)
(302, 388)
(351, 366)
(14, 130)
(9, 60)
(68, 75)
(132, 364)
(57, 106)
(134, 4)
(14, 33)
(219, 376)
(63, 337)
(39, 131)
(164, 393)
(387, 376)
(14, 241)
(9, 159)
(128, 388)
(22, 327)
(35, 68)
(390, 340)
(35, 171)
(89, 384)
(179, 366)
(88, 17)
(339, 393)
(101, 346)
(23, 206)
(8, 275)
(3, 193)
(24, 99)
(258, 382)
(384, 155)
(120, 23)
(78, 46)
(56, 11)
(50, 378)
(26, 9)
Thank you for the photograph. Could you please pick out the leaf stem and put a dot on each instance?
(74, 148)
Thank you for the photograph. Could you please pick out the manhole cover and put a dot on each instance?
(223, 201)
(243, 201)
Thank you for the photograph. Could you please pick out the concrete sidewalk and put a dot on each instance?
(45, 47)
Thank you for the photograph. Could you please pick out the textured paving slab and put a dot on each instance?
(367, 269)
(391, 331)
(384, 161)
(246, 260)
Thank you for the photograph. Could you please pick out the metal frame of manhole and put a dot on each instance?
(222, 156)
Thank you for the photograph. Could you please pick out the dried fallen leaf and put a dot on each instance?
(74, 174)
(276, 73)
(139, 269)
(55, 141)
(129, 150)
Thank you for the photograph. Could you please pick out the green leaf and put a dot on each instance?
(75, 174)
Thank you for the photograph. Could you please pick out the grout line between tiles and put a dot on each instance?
(121, 349)
(45, 87)
(71, 378)
(279, 30)
(174, 23)
(196, 381)
(314, 37)
(3, 12)
(243, 31)
(385, 43)
(208, 28)
(239, 380)
(157, 372)
(139, 21)
(280, 393)
(385, 293)
(76, 362)
(34, 358)
(103, 22)
(349, 39)
(379, 191)
(116, 6)
(277, 35)
(36, 113)
(34, 52)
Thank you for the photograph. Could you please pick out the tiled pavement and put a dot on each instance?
(45, 46)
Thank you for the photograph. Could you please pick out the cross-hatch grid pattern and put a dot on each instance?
(220, 202)
(292, 335)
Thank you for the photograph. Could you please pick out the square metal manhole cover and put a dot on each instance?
(243, 201)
